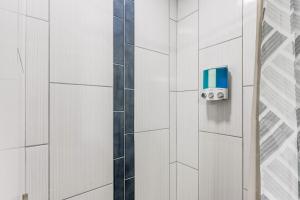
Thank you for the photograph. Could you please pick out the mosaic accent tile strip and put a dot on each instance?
(123, 100)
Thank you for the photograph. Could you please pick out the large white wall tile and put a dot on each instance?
(151, 90)
(223, 116)
(12, 85)
(81, 139)
(249, 40)
(186, 7)
(12, 174)
(37, 68)
(38, 8)
(187, 128)
(37, 172)
(173, 55)
(220, 167)
(187, 53)
(173, 126)
(152, 165)
(173, 9)
(11, 5)
(219, 21)
(187, 183)
(152, 24)
(82, 41)
(173, 181)
(104, 193)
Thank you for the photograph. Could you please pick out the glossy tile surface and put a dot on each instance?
(187, 187)
(152, 165)
(151, 91)
(81, 139)
(12, 173)
(37, 79)
(186, 7)
(187, 128)
(12, 84)
(82, 52)
(152, 30)
(219, 21)
(173, 126)
(173, 181)
(249, 40)
(220, 176)
(101, 193)
(173, 55)
(38, 8)
(37, 172)
(223, 116)
(187, 57)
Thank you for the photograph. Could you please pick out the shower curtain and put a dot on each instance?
(279, 100)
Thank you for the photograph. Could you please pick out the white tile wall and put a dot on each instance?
(81, 139)
(249, 37)
(187, 53)
(105, 193)
(225, 116)
(37, 172)
(11, 5)
(12, 174)
(219, 21)
(152, 165)
(173, 55)
(187, 128)
(12, 85)
(82, 41)
(220, 169)
(37, 67)
(173, 126)
(152, 24)
(187, 183)
(173, 181)
(247, 135)
(186, 7)
(151, 90)
(173, 9)
(38, 8)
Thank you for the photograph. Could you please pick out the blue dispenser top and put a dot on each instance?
(216, 77)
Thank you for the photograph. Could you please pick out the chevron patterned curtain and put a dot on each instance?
(279, 100)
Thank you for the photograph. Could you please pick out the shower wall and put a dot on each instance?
(152, 127)
(211, 157)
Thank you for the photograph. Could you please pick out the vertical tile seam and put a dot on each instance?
(49, 99)
(242, 76)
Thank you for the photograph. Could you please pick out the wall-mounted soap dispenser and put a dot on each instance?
(215, 83)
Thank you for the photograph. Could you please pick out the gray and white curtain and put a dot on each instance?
(279, 100)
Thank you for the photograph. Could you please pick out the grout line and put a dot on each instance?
(174, 20)
(213, 45)
(178, 91)
(79, 84)
(183, 18)
(242, 99)
(126, 179)
(119, 158)
(87, 191)
(161, 129)
(240, 137)
(166, 54)
(12, 148)
(248, 86)
(37, 145)
(37, 18)
(187, 165)
(198, 76)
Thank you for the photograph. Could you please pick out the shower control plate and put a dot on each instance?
(214, 94)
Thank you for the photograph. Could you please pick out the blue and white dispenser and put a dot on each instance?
(215, 83)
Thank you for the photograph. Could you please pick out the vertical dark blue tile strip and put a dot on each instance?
(118, 134)
(118, 41)
(119, 179)
(129, 22)
(129, 66)
(123, 100)
(129, 189)
(129, 111)
(118, 88)
(129, 156)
